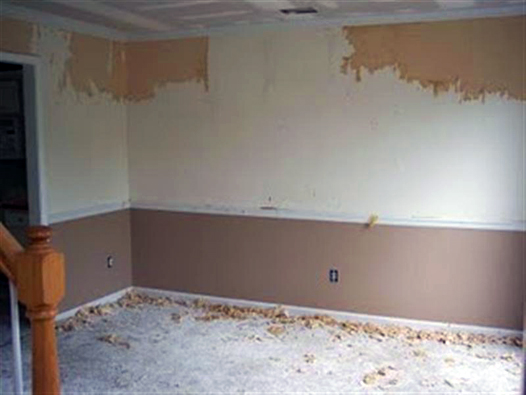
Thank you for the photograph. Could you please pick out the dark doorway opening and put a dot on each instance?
(14, 200)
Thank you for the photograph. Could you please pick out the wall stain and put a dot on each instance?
(154, 64)
(474, 57)
(17, 36)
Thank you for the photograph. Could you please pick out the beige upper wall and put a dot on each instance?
(84, 141)
(271, 119)
(435, 133)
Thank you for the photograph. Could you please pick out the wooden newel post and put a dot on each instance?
(41, 283)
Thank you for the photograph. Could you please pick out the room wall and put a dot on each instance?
(420, 124)
(86, 243)
(306, 126)
(84, 150)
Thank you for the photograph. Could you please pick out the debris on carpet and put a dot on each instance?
(276, 330)
(177, 318)
(448, 382)
(279, 318)
(135, 299)
(309, 358)
(372, 378)
(83, 317)
(114, 340)
(449, 361)
(508, 358)
(144, 343)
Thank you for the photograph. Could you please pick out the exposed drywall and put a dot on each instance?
(17, 36)
(447, 275)
(96, 65)
(475, 57)
(153, 65)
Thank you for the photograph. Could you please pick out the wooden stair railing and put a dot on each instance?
(9, 249)
(38, 273)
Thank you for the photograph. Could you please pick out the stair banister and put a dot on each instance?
(38, 273)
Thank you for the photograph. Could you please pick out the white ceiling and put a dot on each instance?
(144, 19)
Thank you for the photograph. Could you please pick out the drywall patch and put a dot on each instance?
(96, 65)
(152, 65)
(473, 57)
(17, 36)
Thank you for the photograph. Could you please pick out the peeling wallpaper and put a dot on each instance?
(17, 36)
(475, 57)
(272, 120)
(281, 128)
(96, 65)
(128, 71)
(153, 65)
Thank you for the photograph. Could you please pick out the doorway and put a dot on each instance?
(14, 202)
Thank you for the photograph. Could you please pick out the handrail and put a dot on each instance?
(7, 271)
(9, 249)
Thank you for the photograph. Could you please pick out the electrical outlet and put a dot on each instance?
(333, 275)
(110, 261)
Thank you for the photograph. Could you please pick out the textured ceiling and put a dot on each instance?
(145, 17)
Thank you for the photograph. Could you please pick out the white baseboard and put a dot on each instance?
(299, 310)
(113, 297)
(340, 315)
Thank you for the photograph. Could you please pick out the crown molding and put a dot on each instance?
(96, 8)
(362, 20)
(8, 10)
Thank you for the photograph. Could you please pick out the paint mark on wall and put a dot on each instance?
(473, 57)
(152, 65)
(17, 36)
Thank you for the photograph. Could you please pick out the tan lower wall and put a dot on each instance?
(86, 243)
(451, 275)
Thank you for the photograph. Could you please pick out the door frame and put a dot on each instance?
(34, 88)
